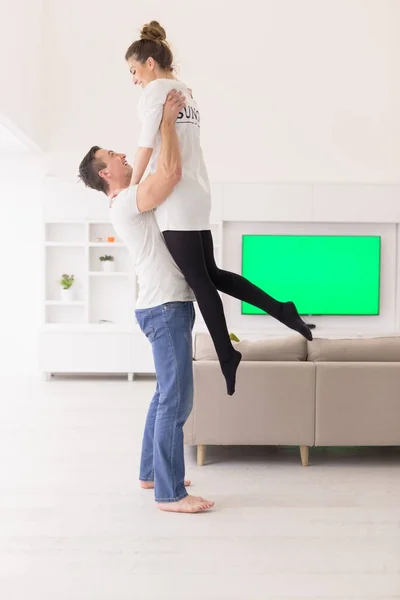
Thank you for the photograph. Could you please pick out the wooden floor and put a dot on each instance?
(74, 524)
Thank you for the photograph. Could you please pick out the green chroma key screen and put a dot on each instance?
(322, 274)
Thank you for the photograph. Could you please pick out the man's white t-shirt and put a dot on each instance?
(159, 278)
(188, 207)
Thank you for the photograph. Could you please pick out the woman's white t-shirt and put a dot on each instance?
(188, 207)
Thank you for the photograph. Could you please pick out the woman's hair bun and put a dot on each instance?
(154, 32)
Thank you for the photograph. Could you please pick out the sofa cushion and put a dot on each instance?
(380, 349)
(293, 348)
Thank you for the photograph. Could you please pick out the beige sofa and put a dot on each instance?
(329, 392)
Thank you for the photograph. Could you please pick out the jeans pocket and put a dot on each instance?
(145, 321)
(175, 305)
(178, 318)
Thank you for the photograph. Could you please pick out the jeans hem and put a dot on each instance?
(143, 479)
(172, 499)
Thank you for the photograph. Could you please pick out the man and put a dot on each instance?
(165, 310)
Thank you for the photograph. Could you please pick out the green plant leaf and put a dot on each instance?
(67, 281)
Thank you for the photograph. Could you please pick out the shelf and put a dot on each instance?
(78, 222)
(82, 245)
(67, 222)
(61, 303)
(90, 328)
(106, 244)
(105, 274)
(64, 245)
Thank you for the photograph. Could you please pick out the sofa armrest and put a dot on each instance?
(357, 404)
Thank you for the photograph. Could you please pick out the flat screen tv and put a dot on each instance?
(322, 274)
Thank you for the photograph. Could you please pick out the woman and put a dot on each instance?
(184, 217)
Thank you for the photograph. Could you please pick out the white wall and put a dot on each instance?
(21, 263)
(21, 68)
(289, 91)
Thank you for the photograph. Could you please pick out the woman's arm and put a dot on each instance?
(152, 115)
(142, 158)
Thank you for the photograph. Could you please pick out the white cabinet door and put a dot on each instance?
(86, 352)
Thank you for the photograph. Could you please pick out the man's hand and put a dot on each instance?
(174, 103)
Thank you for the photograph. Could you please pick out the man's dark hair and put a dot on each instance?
(89, 171)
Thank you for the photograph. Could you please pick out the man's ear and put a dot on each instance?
(104, 174)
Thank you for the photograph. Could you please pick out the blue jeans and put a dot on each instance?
(169, 329)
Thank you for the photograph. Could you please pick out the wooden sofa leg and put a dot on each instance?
(201, 455)
(304, 452)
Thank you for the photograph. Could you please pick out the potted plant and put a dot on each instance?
(108, 263)
(67, 293)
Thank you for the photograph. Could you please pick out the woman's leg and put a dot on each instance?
(239, 287)
(186, 249)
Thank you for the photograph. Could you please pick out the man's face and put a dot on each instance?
(117, 171)
(141, 74)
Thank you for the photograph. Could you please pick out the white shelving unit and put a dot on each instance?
(63, 245)
(105, 245)
(74, 248)
(62, 303)
(97, 331)
(115, 274)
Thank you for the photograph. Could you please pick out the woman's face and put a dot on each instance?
(142, 74)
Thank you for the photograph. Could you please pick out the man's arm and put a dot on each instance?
(157, 187)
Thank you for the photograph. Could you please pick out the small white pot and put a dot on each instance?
(108, 266)
(67, 295)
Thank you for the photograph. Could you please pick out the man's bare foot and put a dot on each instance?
(190, 504)
(149, 485)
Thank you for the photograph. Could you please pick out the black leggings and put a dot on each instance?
(193, 252)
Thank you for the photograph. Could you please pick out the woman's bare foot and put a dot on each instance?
(149, 485)
(190, 504)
